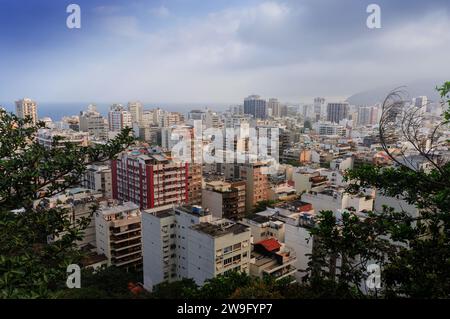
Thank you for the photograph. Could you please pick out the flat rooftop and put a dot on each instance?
(218, 230)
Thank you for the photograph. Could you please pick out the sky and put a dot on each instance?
(217, 51)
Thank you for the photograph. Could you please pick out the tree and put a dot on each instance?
(262, 205)
(307, 124)
(416, 258)
(221, 287)
(104, 283)
(182, 289)
(37, 243)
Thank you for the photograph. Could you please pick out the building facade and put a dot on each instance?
(118, 234)
(187, 242)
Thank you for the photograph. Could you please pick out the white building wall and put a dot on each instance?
(152, 248)
(297, 238)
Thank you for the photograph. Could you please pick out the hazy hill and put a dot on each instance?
(417, 88)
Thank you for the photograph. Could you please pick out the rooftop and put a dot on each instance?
(220, 229)
(117, 208)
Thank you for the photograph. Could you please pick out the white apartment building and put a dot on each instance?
(187, 242)
(305, 179)
(294, 219)
(93, 122)
(341, 164)
(98, 177)
(264, 227)
(331, 129)
(298, 237)
(118, 233)
(47, 137)
(335, 198)
(136, 110)
(119, 118)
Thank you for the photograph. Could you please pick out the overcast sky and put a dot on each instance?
(217, 51)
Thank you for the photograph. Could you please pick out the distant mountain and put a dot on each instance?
(414, 89)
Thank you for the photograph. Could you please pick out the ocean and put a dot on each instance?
(58, 110)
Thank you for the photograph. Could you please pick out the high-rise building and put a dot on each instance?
(167, 119)
(337, 112)
(255, 106)
(197, 115)
(119, 118)
(149, 179)
(118, 234)
(27, 108)
(275, 106)
(257, 183)
(136, 109)
(368, 115)
(93, 122)
(308, 111)
(364, 115)
(225, 199)
(319, 108)
(187, 242)
(170, 136)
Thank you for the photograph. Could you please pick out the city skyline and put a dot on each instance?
(216, 52)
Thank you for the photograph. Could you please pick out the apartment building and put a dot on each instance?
(299, 238)
(98, 177)
(118, 233)
(27, 108)
(335, 198)
(187, 242)
(224, 199)
(257, 183)
(294, 219)
(264, 227)
(305, 179)
(272, 258)
(149, 178)
(93, 122)
(331, 129)
(50, 138)
(78, 203)
(119, 118)
(170, 137)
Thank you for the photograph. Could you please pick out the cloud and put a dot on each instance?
(287, 49)
(160, 12)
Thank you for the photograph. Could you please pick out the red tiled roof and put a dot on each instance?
(270, 244)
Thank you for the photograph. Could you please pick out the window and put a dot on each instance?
(237, 246)
(227, 250)
(228, 261)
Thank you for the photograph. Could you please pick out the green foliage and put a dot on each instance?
(105, 283)
(30, 264)
(444, 91)
(223, 286)
(233, 285)
(182, 289)
(307, 124)
(262, 205)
